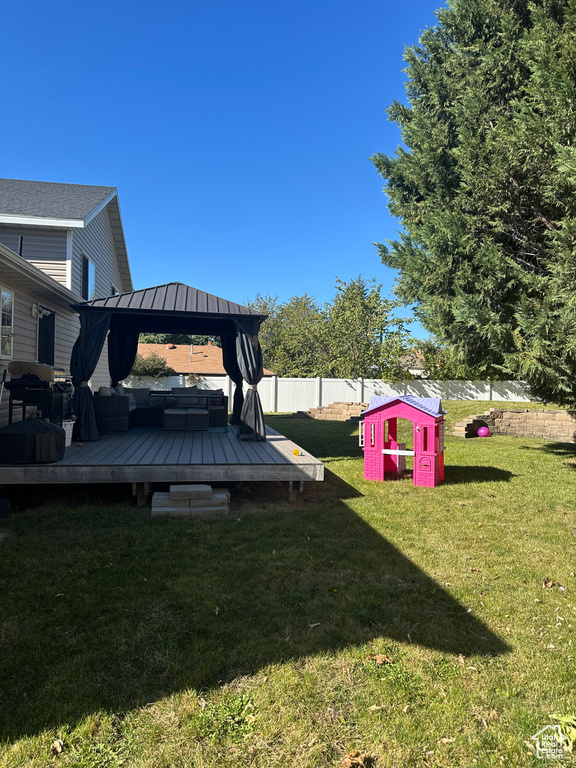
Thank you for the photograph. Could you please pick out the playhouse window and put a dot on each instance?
(372, 435)
(427, 438)
(441, 437)
(361, 435)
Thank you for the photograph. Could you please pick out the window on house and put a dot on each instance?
(7, 324)
(88, 288)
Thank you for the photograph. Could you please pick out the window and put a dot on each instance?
(7, 324)
(88, 288)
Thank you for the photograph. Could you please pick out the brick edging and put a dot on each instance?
(521, 422)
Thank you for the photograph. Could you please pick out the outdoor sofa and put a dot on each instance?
(122, 408)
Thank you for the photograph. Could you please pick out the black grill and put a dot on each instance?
(51, 399)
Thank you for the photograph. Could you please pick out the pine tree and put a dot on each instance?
(485, 188)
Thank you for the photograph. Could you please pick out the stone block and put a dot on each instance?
(162, 499)
(196, 491)
(219, 497)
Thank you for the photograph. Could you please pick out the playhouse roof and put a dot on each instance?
(430, 405)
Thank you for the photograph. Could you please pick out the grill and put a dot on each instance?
(33, 385)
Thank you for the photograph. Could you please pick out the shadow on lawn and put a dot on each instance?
(107, 608)
(455, 474)
(565, 450)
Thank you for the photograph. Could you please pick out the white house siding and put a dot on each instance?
(97, 244)
(44, 248)
(25, 340)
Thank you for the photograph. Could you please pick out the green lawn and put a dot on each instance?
(409, 624)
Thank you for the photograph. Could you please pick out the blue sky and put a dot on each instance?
(235, 132)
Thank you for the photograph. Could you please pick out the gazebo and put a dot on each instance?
(170, 308)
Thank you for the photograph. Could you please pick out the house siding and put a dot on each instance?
(25, 342)
(96, 242)
(44, 248)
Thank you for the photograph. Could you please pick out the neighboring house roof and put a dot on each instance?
(430, 405)
(413, 361)
(66, 206)
(173, 297)
(185, 358)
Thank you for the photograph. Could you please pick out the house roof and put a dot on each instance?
(27, 278)
(51, 200)
(430, 405)
(68, 206)
(185, 358)
(173, 297)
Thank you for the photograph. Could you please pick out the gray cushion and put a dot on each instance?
(184, 390)
(141, 395)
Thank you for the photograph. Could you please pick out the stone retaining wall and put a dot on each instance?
(544, 425)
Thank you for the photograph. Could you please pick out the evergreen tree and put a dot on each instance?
(485, 189)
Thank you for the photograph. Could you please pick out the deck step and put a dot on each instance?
(190, 512)
(198, 500)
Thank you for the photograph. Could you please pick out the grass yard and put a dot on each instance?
(414, 626)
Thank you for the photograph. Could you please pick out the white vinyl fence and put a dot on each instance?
(280, 395)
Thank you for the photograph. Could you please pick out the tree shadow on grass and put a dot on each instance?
(110, 609)
(565, 450)
(456, 474)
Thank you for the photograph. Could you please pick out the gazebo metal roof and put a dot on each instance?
(172, 297)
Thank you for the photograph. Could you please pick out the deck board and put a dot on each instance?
(154, 455)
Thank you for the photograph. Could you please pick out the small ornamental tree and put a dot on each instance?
(153, 366)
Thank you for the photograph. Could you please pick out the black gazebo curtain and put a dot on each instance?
(230, 362)
(241, 353)
(249, 356)
(122, 350)
(85, 355)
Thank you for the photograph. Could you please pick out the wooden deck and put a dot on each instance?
(154, 456)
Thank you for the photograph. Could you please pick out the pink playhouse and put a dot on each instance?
(382, 452)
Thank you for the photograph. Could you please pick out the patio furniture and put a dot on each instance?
(148, 411)
(174, 419)
(213, 401)
(113, 414)
(196, 419)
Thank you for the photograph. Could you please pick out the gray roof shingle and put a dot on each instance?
(430, 405)
(49, 199)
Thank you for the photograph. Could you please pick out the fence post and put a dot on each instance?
(361, 389)
(318, 392)
(275, 394)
